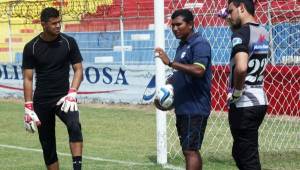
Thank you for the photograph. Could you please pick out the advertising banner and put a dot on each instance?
(101, 84)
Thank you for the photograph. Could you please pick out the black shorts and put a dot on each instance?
(190, 129)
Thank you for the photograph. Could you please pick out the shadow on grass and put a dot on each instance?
(289, 160)
(218, 162)
(152, 158)
(281, 160)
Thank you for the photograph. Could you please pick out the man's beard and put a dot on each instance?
(237, 25)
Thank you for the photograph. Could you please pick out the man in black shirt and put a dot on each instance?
(49, 55)
(247, 99)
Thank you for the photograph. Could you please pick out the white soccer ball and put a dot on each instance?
(165, 96)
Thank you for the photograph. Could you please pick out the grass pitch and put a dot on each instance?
(124, 137)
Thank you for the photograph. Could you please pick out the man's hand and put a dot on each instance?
(234, 95)
(157, 105)
(163, 56)
(69, 101)
(30, 118)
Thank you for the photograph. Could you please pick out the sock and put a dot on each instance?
(77, 162)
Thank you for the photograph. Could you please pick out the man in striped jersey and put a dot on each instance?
(246, 97)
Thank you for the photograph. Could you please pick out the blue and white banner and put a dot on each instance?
(101, 84)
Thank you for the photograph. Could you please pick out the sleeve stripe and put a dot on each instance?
(67, 42)
(34, 45)
(201, 65)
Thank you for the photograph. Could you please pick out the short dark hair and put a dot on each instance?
(249, 5)
(48, 13)
(185, 13)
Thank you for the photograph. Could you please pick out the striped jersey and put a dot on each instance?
(253, 39)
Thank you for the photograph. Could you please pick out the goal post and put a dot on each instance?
(161, 119)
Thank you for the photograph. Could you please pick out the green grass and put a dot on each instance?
(124, 137)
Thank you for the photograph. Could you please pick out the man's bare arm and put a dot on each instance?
(240, 70)
(78, 75)
(193, 69)
(27, 84)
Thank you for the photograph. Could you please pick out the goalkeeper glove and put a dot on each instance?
(30, 118)
(69, 101)
(234, 95)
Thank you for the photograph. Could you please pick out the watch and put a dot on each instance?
(170, 63)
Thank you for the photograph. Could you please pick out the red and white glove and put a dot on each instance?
(69, 101)
(30, 118)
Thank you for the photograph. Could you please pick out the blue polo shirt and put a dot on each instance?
(191, 93)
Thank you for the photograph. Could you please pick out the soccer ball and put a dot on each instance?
(165, 96)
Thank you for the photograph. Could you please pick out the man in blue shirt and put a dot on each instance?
(192, 82)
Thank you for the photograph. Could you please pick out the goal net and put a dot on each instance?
(279, 132)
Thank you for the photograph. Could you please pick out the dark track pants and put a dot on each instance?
(244, 124)
(46, 113)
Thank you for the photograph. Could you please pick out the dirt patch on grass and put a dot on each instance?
(140, 107)
(148, 107)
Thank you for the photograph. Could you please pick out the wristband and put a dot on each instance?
(71, 90)
(237, 92)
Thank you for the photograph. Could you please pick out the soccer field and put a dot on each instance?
(118, 137)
